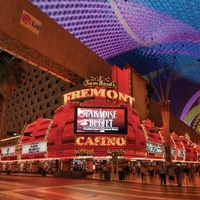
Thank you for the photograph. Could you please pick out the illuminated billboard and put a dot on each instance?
(100, 120)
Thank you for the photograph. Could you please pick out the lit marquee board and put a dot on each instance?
(8, 151)
(181, 153)
(154, 148)
(35, 147)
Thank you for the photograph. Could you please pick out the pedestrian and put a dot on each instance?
(138, 170)
(151, 171)
(143, 172)
(187, 173)
(192, 174)
(105, 172)
(171, 174)
(109, 170)
(163, 174)
(178, 173)
(133, 172)
(101, 171)
(198, 170)
(127, 172)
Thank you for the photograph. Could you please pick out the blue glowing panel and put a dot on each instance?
(111, 28)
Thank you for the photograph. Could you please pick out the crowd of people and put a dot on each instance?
(171, 174)
(105, 171)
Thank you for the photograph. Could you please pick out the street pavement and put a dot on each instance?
(134, 179)
(37, 187)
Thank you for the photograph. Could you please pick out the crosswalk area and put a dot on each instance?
(92, 189)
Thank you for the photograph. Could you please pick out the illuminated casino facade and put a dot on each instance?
(93, 124)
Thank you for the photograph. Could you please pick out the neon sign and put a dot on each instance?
(99, 81)
(94, 92)
(100, 141)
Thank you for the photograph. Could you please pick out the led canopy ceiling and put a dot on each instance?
(150, 36)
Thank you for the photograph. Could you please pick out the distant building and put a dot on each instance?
(39, 96)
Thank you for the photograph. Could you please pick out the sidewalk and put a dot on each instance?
(115, 177)
(155, 181)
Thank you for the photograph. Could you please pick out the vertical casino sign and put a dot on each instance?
(102, 125)
(30, 22)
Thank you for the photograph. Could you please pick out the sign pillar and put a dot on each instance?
(114, 164)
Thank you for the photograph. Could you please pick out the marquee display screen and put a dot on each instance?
(100, 120)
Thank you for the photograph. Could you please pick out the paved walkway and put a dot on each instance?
(136, 179)
(156, 180)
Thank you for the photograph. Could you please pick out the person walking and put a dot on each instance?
(101, 171)
(105, 172)
(132, 173)
(109, 170)
(178, 173)
(143, 172)
(186, 170)
(171, 174)
(163, 174)
(192, 174)
(137, 170)
(151, 172)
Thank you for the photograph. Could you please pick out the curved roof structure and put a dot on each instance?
(159, 39)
